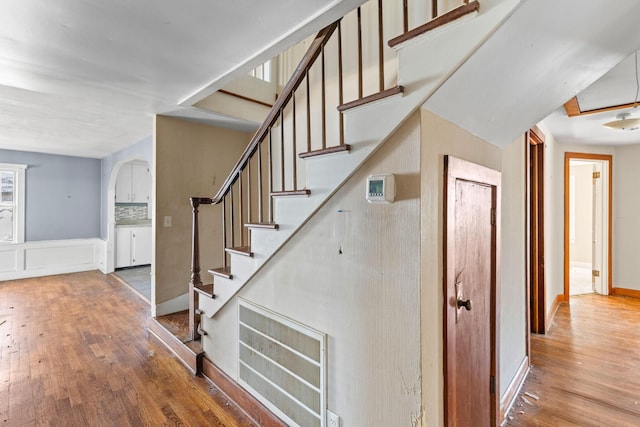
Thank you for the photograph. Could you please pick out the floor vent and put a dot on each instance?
(282, 363)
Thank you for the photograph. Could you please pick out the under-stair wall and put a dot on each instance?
(351, 272)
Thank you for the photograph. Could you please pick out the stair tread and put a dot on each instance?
(397, 90)
(263, 225)
(304, 192)
(206, 290)
(222, 272)
(241, 250)
(337, 149)
(436, 22)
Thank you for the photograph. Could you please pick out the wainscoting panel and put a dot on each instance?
(35, 259)
(8, 259)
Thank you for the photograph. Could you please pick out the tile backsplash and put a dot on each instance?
(129, 211)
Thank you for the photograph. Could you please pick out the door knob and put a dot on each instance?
(466, 304)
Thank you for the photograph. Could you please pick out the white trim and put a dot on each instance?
(12, 166)
(19, 203)
(174, 305)
(45, 258)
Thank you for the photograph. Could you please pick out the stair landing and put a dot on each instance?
(173, 331)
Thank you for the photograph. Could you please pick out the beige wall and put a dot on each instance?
(190, 159)
(439, 138)
(513, 297)
(367, 299)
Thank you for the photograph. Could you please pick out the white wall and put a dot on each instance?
(626, 203)
(626, 227)
(367, 299)
(554, 210)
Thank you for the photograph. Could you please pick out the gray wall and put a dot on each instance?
(142, 150)
(62, 195)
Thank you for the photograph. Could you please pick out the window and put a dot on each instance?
(12, 179)
(262, 72)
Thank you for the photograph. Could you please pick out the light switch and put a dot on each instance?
(167, 221)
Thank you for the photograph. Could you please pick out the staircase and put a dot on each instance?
(351, 91)
(312, 140)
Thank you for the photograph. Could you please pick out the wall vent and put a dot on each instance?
(282, 363)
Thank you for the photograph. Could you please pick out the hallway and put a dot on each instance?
(75, 350)
(585, 370)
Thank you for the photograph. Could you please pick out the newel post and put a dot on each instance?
(195, 271)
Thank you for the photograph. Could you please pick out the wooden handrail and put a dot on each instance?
(237, 212)
(296, 79)
(460, 11)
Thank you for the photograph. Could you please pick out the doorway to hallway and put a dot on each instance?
(587, 222)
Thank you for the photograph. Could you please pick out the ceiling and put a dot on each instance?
(616, 88)
(86, 78)
(545, 54)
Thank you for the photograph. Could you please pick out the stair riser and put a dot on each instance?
(243, 266)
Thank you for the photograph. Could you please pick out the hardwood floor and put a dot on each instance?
(75, 351)
(586, 370)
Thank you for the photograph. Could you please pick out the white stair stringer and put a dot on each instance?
(424, 64)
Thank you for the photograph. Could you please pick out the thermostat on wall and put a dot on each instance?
(381, 188)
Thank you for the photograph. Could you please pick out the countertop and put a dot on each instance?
(134, 223)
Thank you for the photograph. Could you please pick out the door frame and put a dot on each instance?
(536, 288)
(461, 169)
(568, 156)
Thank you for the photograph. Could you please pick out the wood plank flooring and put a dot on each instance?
(586, 370)
(75, 351)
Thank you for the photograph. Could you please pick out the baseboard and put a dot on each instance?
(192, 360)
(174, 305)
(554, 308)
(626, 292)
(46, 258)
(101, 256)
(250, 405)
(509, 396)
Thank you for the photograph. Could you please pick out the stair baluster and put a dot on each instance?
(326, 137)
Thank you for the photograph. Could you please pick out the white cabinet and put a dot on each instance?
(133, 183)
(140, 185)
(133, 246)
(123, 247)
(141, 246)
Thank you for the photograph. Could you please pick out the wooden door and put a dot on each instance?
(471, 238)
